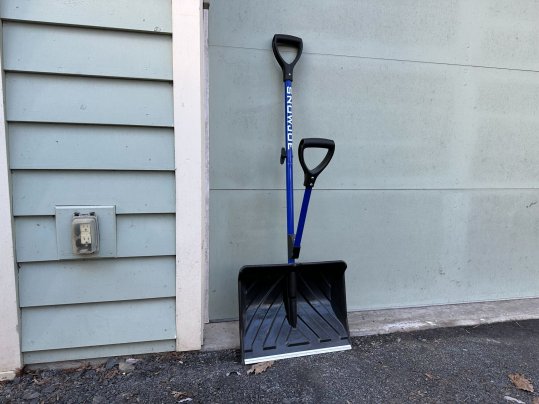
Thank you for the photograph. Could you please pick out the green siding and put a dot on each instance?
(138, 236)
(96, 52)
(139, 15)
(72, 326)
(132, 192)
(90, 122)
(73, 282)
(59, 146)
(98, 351)
(146, 235)
(68, 99)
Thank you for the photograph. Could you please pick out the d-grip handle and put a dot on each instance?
(318, 143)
(286, 40)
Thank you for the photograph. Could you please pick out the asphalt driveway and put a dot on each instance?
(464, 364)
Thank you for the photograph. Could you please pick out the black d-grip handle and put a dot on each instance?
(286, 40)
(319, 143)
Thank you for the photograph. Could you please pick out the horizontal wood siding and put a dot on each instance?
(80, 325)
(138, 236)
(138, 15)
(132, 192)
(82, 51)
(103, 351)
(90, 122)
(58, 146)
(73, 282)
(89, 100)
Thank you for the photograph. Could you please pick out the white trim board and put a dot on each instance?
(189, 152)
(206, 269)
(10, 353)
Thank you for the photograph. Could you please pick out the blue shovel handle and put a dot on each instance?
(310, 178)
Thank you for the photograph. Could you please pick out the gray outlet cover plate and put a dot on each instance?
(106, 218)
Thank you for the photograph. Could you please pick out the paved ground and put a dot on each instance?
(465, 364)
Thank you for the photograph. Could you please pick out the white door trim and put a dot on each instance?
(10, 352)
(190, 158)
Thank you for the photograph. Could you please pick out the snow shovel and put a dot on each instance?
(294, 309)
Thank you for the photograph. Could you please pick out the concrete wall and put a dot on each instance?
(432, 194)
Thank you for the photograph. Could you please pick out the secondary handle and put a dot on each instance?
(318, 143)
(287, 40)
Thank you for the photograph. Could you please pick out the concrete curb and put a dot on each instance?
(225, 335)
(9, 375)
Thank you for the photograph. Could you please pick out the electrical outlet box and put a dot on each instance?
(85, 232)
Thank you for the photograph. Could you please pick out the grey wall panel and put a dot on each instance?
(51, 98)
(485, 32)
(105, 351)
(395, 124)
(138, 236)
(433, 106)
(96, 52)
(69, 282)
(45, 328)
(37, 192)
(141, 15)
(87, 147)
(403, 248)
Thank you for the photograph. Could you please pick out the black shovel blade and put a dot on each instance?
(322, 325)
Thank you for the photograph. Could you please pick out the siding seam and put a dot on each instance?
(425, 62)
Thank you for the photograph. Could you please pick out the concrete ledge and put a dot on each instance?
(225, 335)
(9, 375)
